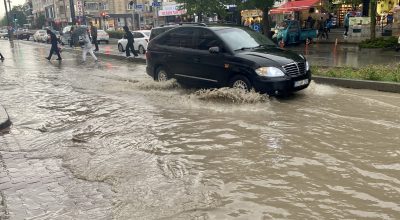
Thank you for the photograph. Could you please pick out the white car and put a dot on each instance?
(141, 41)
(40, 36)
(102, 36)
(3, 33)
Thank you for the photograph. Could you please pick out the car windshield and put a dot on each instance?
(147, 33)
(240, 39)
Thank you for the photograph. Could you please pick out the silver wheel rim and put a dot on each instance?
(240, 84)
(141, 50)
(162, 76)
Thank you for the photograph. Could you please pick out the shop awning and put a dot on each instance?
(294, 6)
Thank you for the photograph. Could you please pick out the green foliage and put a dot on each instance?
(380, 42)
(40, 21)
(116, 34)
(19, 14)
(205, 7)
(389, 72)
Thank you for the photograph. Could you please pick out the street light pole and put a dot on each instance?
(72, 8)
(8, 22)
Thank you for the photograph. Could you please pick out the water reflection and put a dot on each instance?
(159, 151)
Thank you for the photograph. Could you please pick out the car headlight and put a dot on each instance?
(307, 66)
(269, 72)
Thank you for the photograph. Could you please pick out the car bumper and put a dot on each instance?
(150, 70)
(281, 85)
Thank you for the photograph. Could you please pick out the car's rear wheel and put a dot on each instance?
(240, 82)
(161, 74)
(141, 49)
(120, 48)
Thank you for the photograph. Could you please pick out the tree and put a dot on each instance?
(373, 5)
(40, 21)
(18, 13)
(204, 7)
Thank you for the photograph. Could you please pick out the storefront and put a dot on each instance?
(298, 10)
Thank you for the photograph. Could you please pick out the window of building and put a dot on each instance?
(92, 6)
(103, 6)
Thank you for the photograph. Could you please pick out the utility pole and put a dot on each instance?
(8, 23)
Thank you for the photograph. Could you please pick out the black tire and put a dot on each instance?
(141, 49)
(161, 74)
(240, 82)
(120, 48)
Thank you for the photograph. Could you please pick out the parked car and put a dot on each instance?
(226, 56)
(66, 35)
(290, 32)
(40, 36)
(102, 36)
(141, 41)
(23, 34)
(3, 33)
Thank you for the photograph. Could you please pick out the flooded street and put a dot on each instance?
(103, 141)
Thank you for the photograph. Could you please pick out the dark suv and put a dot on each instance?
(226, 56)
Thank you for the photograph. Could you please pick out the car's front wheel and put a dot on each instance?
(120, 48)
(240, 82)
(142, 50)
(161, 74)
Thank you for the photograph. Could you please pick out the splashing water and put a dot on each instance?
(230, 95)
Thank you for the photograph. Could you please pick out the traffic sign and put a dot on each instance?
(139, 6)
(156, 4)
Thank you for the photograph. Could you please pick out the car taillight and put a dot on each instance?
(147, 55)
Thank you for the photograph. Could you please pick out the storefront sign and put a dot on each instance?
(171, 10)
(359, 21)
(251, 13)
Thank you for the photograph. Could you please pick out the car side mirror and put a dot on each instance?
(214, 50)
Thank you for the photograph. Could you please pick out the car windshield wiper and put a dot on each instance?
(245, 48)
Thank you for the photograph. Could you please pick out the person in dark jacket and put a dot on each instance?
(93, 33)
(54, 45)
(129, 45)
(1, 57)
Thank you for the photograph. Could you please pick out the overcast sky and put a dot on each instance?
(13, 3)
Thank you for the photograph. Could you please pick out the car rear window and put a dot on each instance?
(157, 31)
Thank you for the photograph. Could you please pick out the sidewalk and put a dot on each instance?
(4, 118)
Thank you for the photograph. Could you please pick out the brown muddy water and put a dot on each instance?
(147, 150)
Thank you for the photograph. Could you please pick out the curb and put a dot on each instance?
(4, 118)
(359, 84)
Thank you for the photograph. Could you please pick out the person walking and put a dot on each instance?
(71, 39)
(54, 45)
(346, 23)
(87, 47)
(93, 34)
(1, 57)
(320, 28)
(129, 45)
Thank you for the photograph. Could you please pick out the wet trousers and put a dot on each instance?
(54, 49)
(85, 51)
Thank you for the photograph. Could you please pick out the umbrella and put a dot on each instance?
(78, 32)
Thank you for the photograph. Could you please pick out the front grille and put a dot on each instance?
(295, 69)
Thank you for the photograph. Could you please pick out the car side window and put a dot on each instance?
(294, 27)
(179, 38)
(206, 40)
(137, 35)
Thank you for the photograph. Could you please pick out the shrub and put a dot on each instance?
(116, 34)
(390, 72)
(379, 42)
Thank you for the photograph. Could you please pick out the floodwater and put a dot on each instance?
(131, 148)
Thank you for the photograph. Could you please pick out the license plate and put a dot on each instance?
(301, 83)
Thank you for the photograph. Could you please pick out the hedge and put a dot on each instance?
(116, 34)
(380, 42)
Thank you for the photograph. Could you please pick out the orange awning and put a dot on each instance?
(294, 6)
